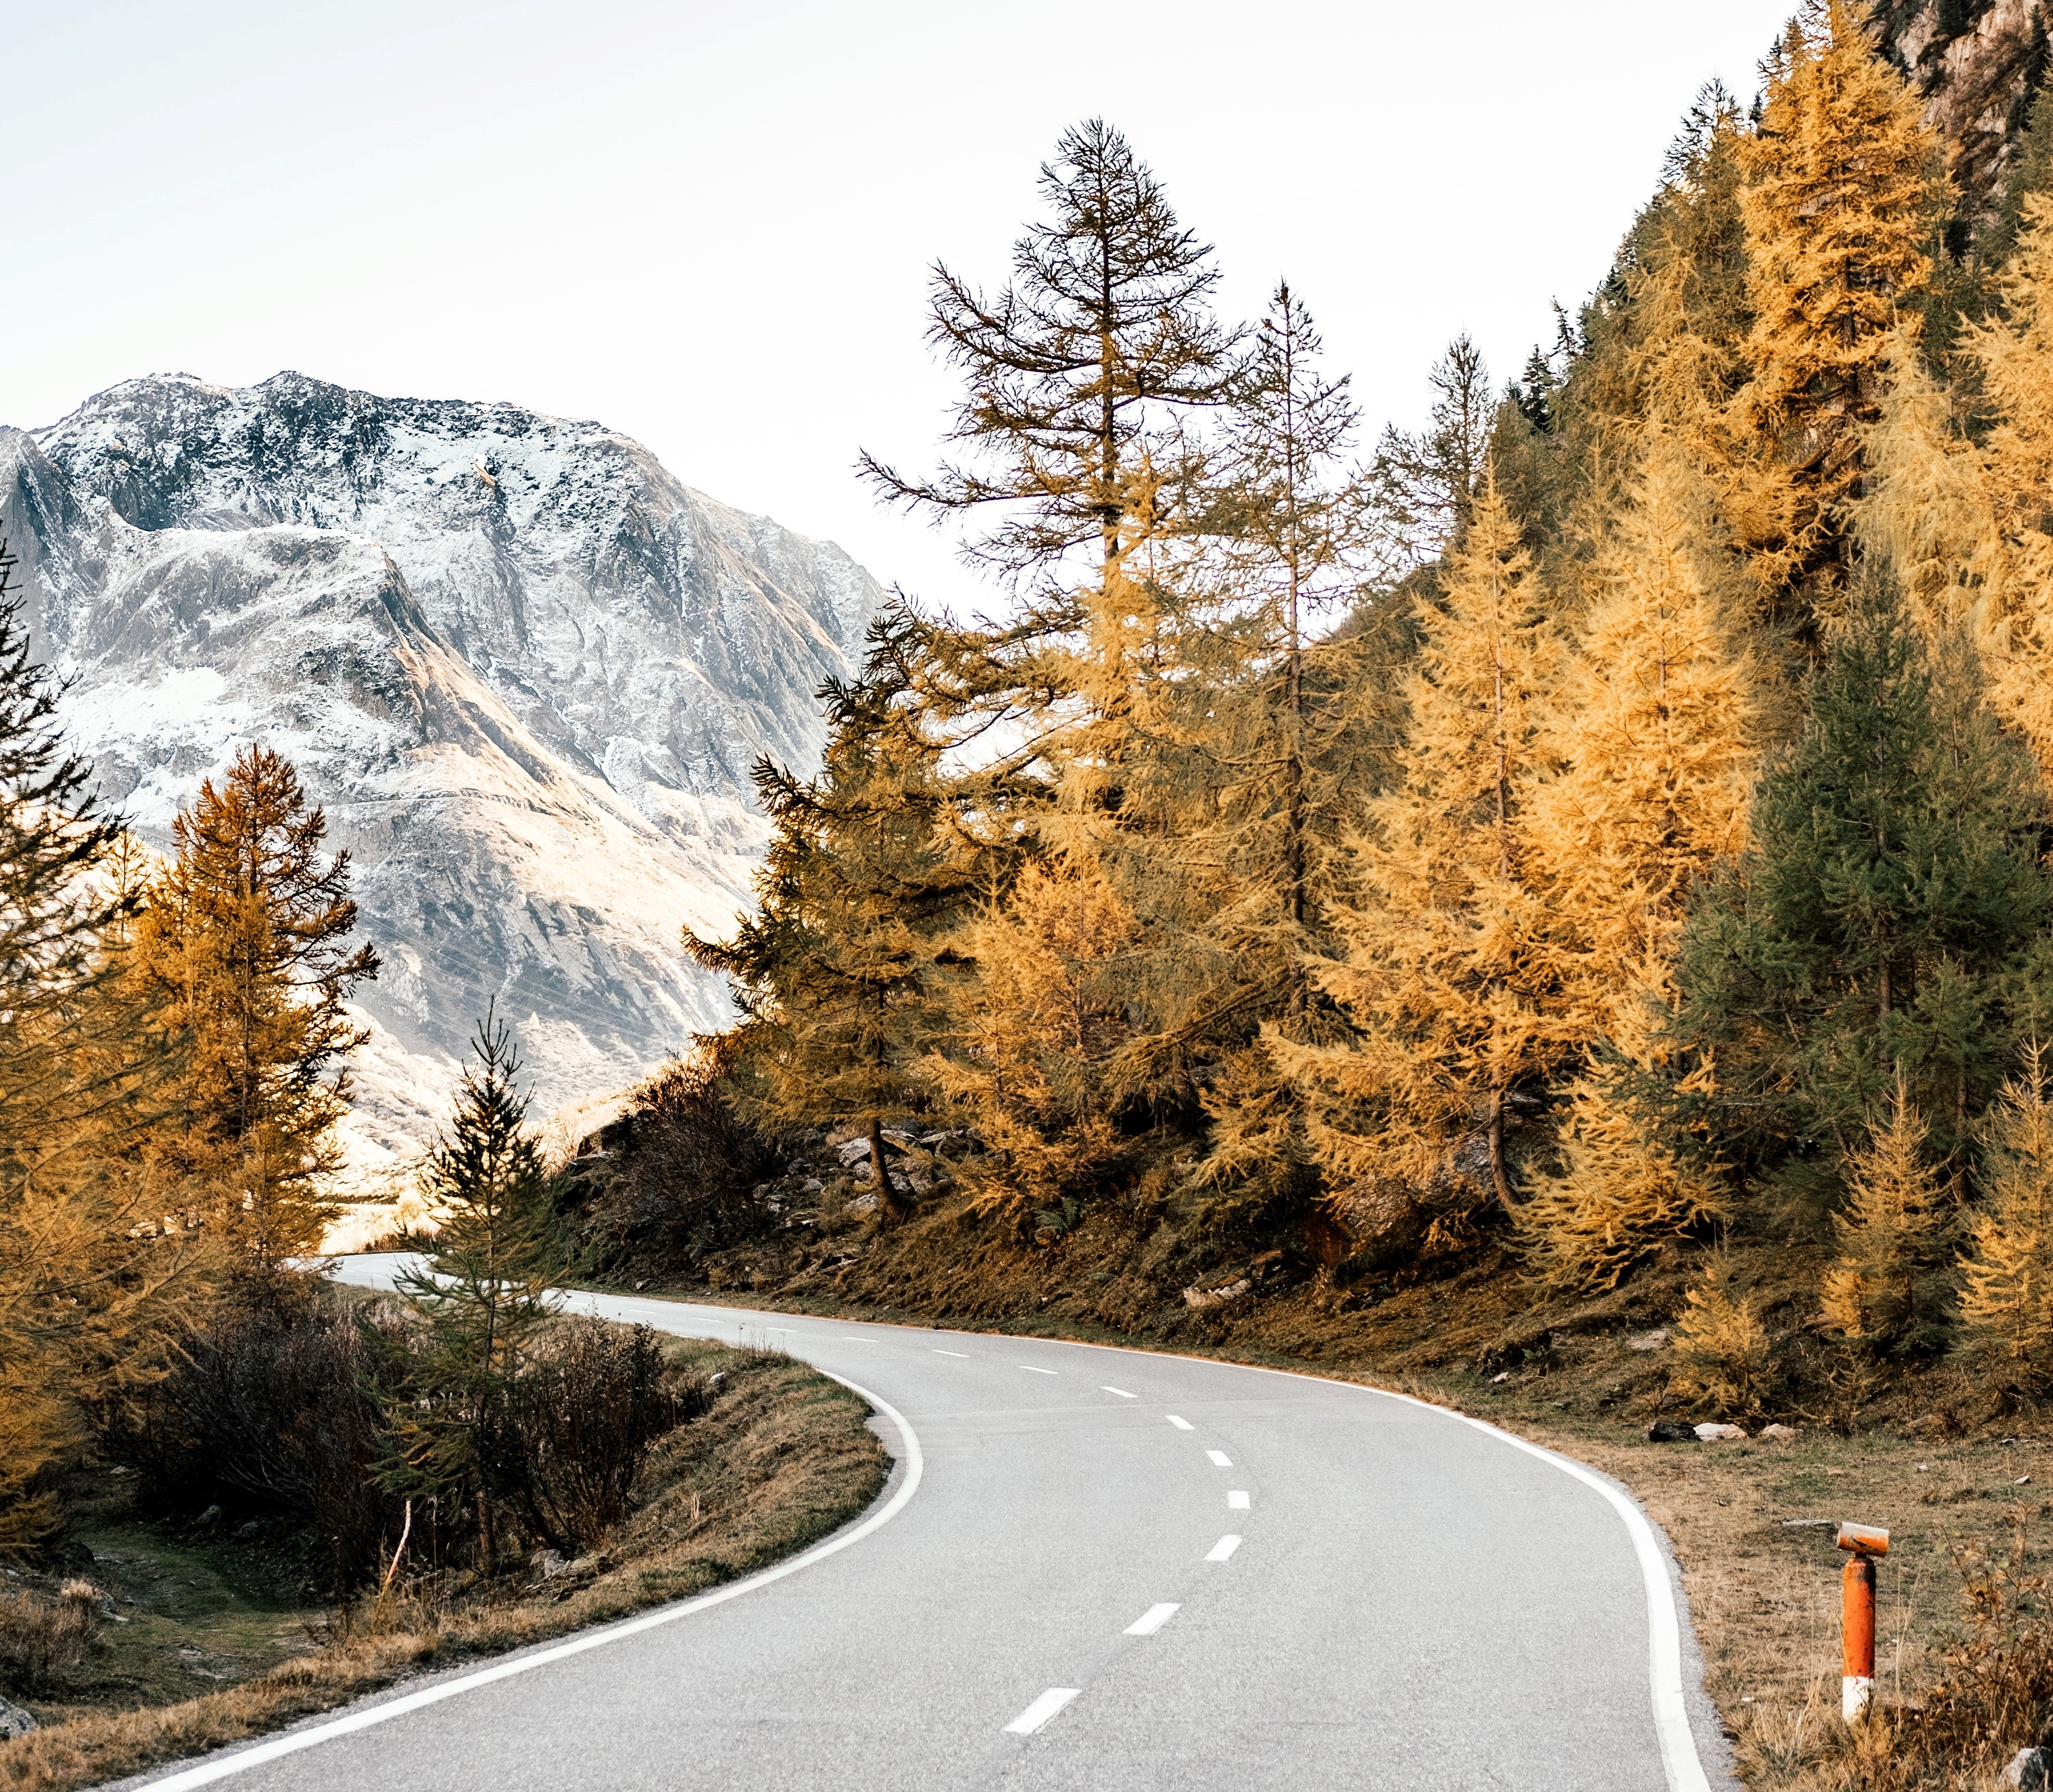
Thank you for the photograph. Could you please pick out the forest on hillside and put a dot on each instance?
(1605, 827)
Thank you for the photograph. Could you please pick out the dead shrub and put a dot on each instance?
(577, 1424)
(1995, 1691)
(41, 1637)
(672, 1179)
(273, 1407)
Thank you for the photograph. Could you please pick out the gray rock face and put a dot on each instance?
(524, 669)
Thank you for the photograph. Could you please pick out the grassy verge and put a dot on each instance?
(783, 1457)
(1763, 1583)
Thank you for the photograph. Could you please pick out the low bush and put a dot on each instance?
(283, 1405)
(273, 1407)
(672, 1180)
(577, 1424)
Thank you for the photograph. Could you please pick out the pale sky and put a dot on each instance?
(710, 226)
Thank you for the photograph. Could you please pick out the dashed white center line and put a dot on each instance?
(1220, 1458)
(1151, 1620)
(1031, 1370)
(1181, 1424)
(1237, 1501)
(1224, 1548)
(1121, 1392)
(1043, 1708)
(964, 1354)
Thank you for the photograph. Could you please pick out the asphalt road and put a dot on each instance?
(1114, 1570)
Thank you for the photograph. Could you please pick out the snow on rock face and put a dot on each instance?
(525, 671)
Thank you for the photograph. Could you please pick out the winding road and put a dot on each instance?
(1096, 1570)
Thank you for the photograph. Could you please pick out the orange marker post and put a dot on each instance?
(1857, 1629)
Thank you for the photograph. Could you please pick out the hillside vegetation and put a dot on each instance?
(1579, 865)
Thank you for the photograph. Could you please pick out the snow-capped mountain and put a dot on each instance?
(524, 669)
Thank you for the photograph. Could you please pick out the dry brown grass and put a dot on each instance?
(784, 1457)
(38, 1635)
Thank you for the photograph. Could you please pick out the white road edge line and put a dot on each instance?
(1679, 1759)
(1680, 1762)
(1236, 1501)
(1152, 1620)
(1031, 1370)
(1220, 1458)
(1043, 1708)
(1224, 1548)
(208, 1772)
(1121, 1392)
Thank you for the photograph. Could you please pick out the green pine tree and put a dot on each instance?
(1882, 922)
(486, 1293)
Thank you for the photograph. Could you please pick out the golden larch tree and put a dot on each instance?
(2006, 1311)
(1841, 199)
(1033, 1063)
(1651, 734)
(2011, 354)
(1448, 973)
(1885, 1288)
(243, 938)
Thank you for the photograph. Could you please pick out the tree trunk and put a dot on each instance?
(893, 1205)
(1498, 1174)
(487, 1544)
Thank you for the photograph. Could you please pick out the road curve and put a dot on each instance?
(1115, 1571)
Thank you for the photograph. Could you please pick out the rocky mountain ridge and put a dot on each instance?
(524, 669)
(1978, 64)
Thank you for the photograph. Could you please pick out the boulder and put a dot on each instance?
(15, 1721)
(1670, 1430)
(1646, 1341)
(1719, 1433)
(2029, 1769)
(1778, 1430)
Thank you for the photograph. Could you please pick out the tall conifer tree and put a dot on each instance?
(840, 974)
(1271, 724)
(1878, 924)
(1842, 201)
(244, 937)
(90, 1287)
(1448, 973)
(1653, 728)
